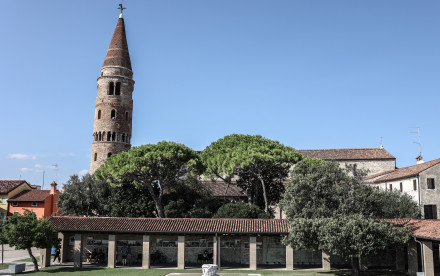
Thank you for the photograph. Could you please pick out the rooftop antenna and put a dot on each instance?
(419, 143)
(42, 187)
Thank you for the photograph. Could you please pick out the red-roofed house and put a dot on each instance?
(8, 189)
(41, 202)
(421, 181)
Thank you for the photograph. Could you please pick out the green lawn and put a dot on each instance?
(163, 272)
(27, 260)
(6, 265)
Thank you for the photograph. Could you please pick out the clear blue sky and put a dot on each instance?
(311, 74)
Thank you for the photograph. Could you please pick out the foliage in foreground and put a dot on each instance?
(26, 231)
(259, 165)
(155, 167)
(331, 209)
(91, 197)
(241, 210)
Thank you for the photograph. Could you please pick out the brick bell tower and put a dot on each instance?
(114, 103)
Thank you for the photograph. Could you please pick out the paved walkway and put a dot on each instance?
(10, 255)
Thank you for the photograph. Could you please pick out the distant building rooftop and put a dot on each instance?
(8, 185)
(347, 154)
(404, 172)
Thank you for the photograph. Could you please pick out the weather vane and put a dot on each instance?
(121, 7)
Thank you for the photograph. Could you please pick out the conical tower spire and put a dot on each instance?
(117, 53)
(114, 103)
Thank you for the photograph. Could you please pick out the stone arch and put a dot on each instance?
(118, 88)
(109, 136)
(111, 88)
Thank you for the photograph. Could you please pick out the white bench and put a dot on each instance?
(17, 268)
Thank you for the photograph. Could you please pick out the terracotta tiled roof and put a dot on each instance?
(218, 189)
(347, 154)
(31, 195)
(8, 185)
(378, 174)
(421, 228)
(407, 171)
(117, 53)
(171, 225)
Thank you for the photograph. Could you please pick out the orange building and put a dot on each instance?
(42, 202)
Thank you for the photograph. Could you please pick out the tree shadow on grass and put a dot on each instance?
(366, 273)
(65, 269)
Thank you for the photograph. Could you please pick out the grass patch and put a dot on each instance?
(162, 272)
(27, 260)
(4, 266)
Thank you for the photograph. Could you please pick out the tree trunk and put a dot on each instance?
(157, 201)
(355, 266)
(266, 205)
(33, 259)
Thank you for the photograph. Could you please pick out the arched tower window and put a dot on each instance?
(113, 136)
(111, 88)
(126, 115)
(96, 156)
(123, 137)
(109, 136)
(118, 88)
(113, 115)
(99, 114)
(96, 136)
(109, 154)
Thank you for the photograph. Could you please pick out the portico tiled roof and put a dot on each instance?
(407, 171)
(171, 225)
(421, 228)
(31, 195)
(8, 185)
(347, 154)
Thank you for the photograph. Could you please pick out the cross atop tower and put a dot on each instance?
(121, 8)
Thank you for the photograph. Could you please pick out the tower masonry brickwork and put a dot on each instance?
(114, 103)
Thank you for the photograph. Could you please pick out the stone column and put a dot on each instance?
(146, 251)
(78, 251)
(428, 258)
(326, 265)
(64, 247)
(400, 259)
(111, 263)
(181, 252)
(216, 252)
(289, 257)
(413, 262)
(253, 253)
(45, 257)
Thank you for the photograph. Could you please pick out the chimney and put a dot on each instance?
(53, 187)
(63, 189)
(419, 160)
